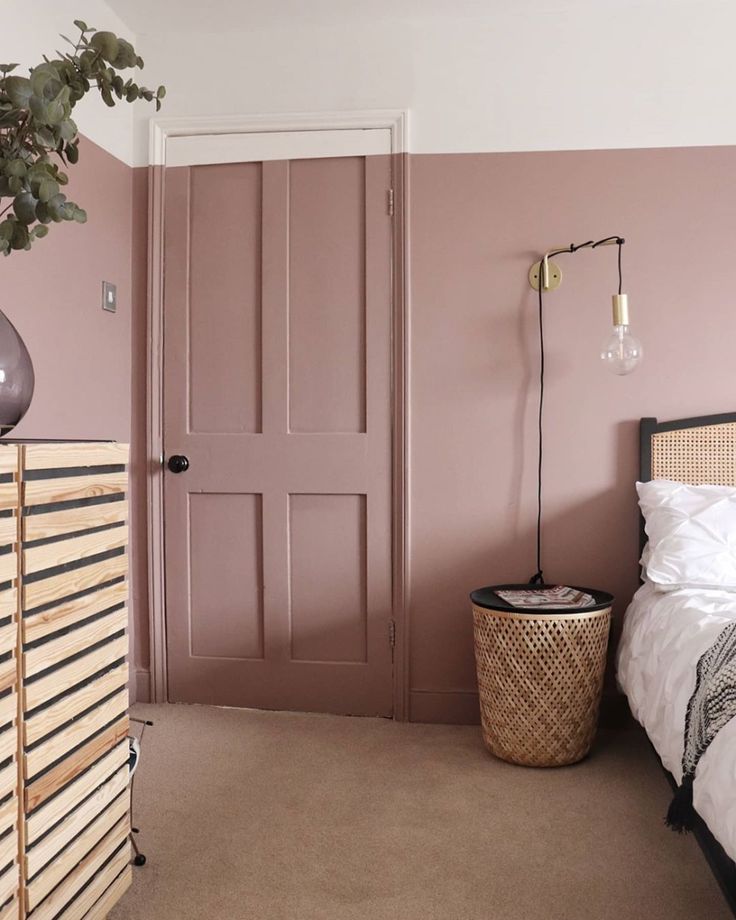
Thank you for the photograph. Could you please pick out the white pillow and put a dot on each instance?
(646, 555)
(692, 534)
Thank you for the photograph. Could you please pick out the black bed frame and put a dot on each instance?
(722, 866)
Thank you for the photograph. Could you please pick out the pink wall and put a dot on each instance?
(53, 295)
(476, 223)
(81, 355)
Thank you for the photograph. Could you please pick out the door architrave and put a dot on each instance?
(162, 129)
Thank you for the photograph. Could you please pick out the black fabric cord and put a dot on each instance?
(538, 577)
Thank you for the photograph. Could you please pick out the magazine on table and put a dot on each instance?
(554, 597)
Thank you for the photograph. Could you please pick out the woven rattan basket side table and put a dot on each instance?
(540, 676)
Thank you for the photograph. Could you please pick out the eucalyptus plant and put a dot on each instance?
(38, 136)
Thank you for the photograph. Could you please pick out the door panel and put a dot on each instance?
(327, 578)
(224, 269)
(277, 388)
(226, 534)
(327, 295)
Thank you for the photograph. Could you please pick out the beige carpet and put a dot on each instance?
(271, 816)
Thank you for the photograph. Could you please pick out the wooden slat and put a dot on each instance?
(9, 458)
(59, 744)
(8, 708)
(8, 566)
(62, 552)
(8, 744)
(87, 868)
(53, 717)
(75, 852)
(110, 898)
(49, 621)
(8, 815)
(8, 779)
(56, 523)
(57, 650)
(8, 602)
(59, 456)
(11, 911)
(8, 673)
(9, 848)
(9, 882)
(8, 496)
(57, 587)
(36, 793)
(8, 638)
(38, 856)
(46, 688)
(66, 489)
(46, 817)
(8, 530)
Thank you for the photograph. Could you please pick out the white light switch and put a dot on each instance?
(109, 296)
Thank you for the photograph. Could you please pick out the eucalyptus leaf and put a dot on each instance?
(47, 189)
(20, 237)
(68, 130)
(43, 214)
(18, 90)
(38, 133)
(15, 167)
(45, 136)
(56, 208)
(24, 206)
(106, 43)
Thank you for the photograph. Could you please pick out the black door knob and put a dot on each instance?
(178, 463)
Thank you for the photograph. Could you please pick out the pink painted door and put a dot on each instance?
(278, 391)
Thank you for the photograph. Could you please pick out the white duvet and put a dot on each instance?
(664, 634)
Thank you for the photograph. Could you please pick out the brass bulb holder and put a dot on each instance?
(620, 310)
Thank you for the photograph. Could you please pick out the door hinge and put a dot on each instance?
(390, 202)
(392, 633)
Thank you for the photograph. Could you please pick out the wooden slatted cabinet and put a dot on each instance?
(64, 781)
(10, 812)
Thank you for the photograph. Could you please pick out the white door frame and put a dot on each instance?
(163, 129)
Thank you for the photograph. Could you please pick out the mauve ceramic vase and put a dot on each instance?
(16, 376)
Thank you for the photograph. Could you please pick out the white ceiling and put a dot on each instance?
(169, 16)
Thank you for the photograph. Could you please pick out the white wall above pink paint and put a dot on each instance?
(476, 76)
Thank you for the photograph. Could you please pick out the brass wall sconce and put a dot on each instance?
(622, 352)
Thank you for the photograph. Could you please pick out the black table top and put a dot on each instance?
(488, 598)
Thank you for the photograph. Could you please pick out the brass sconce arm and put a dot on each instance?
(550, 273)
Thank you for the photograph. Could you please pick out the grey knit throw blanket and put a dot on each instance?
(711, 706)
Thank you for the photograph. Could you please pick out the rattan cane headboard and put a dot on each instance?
(693, 450)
